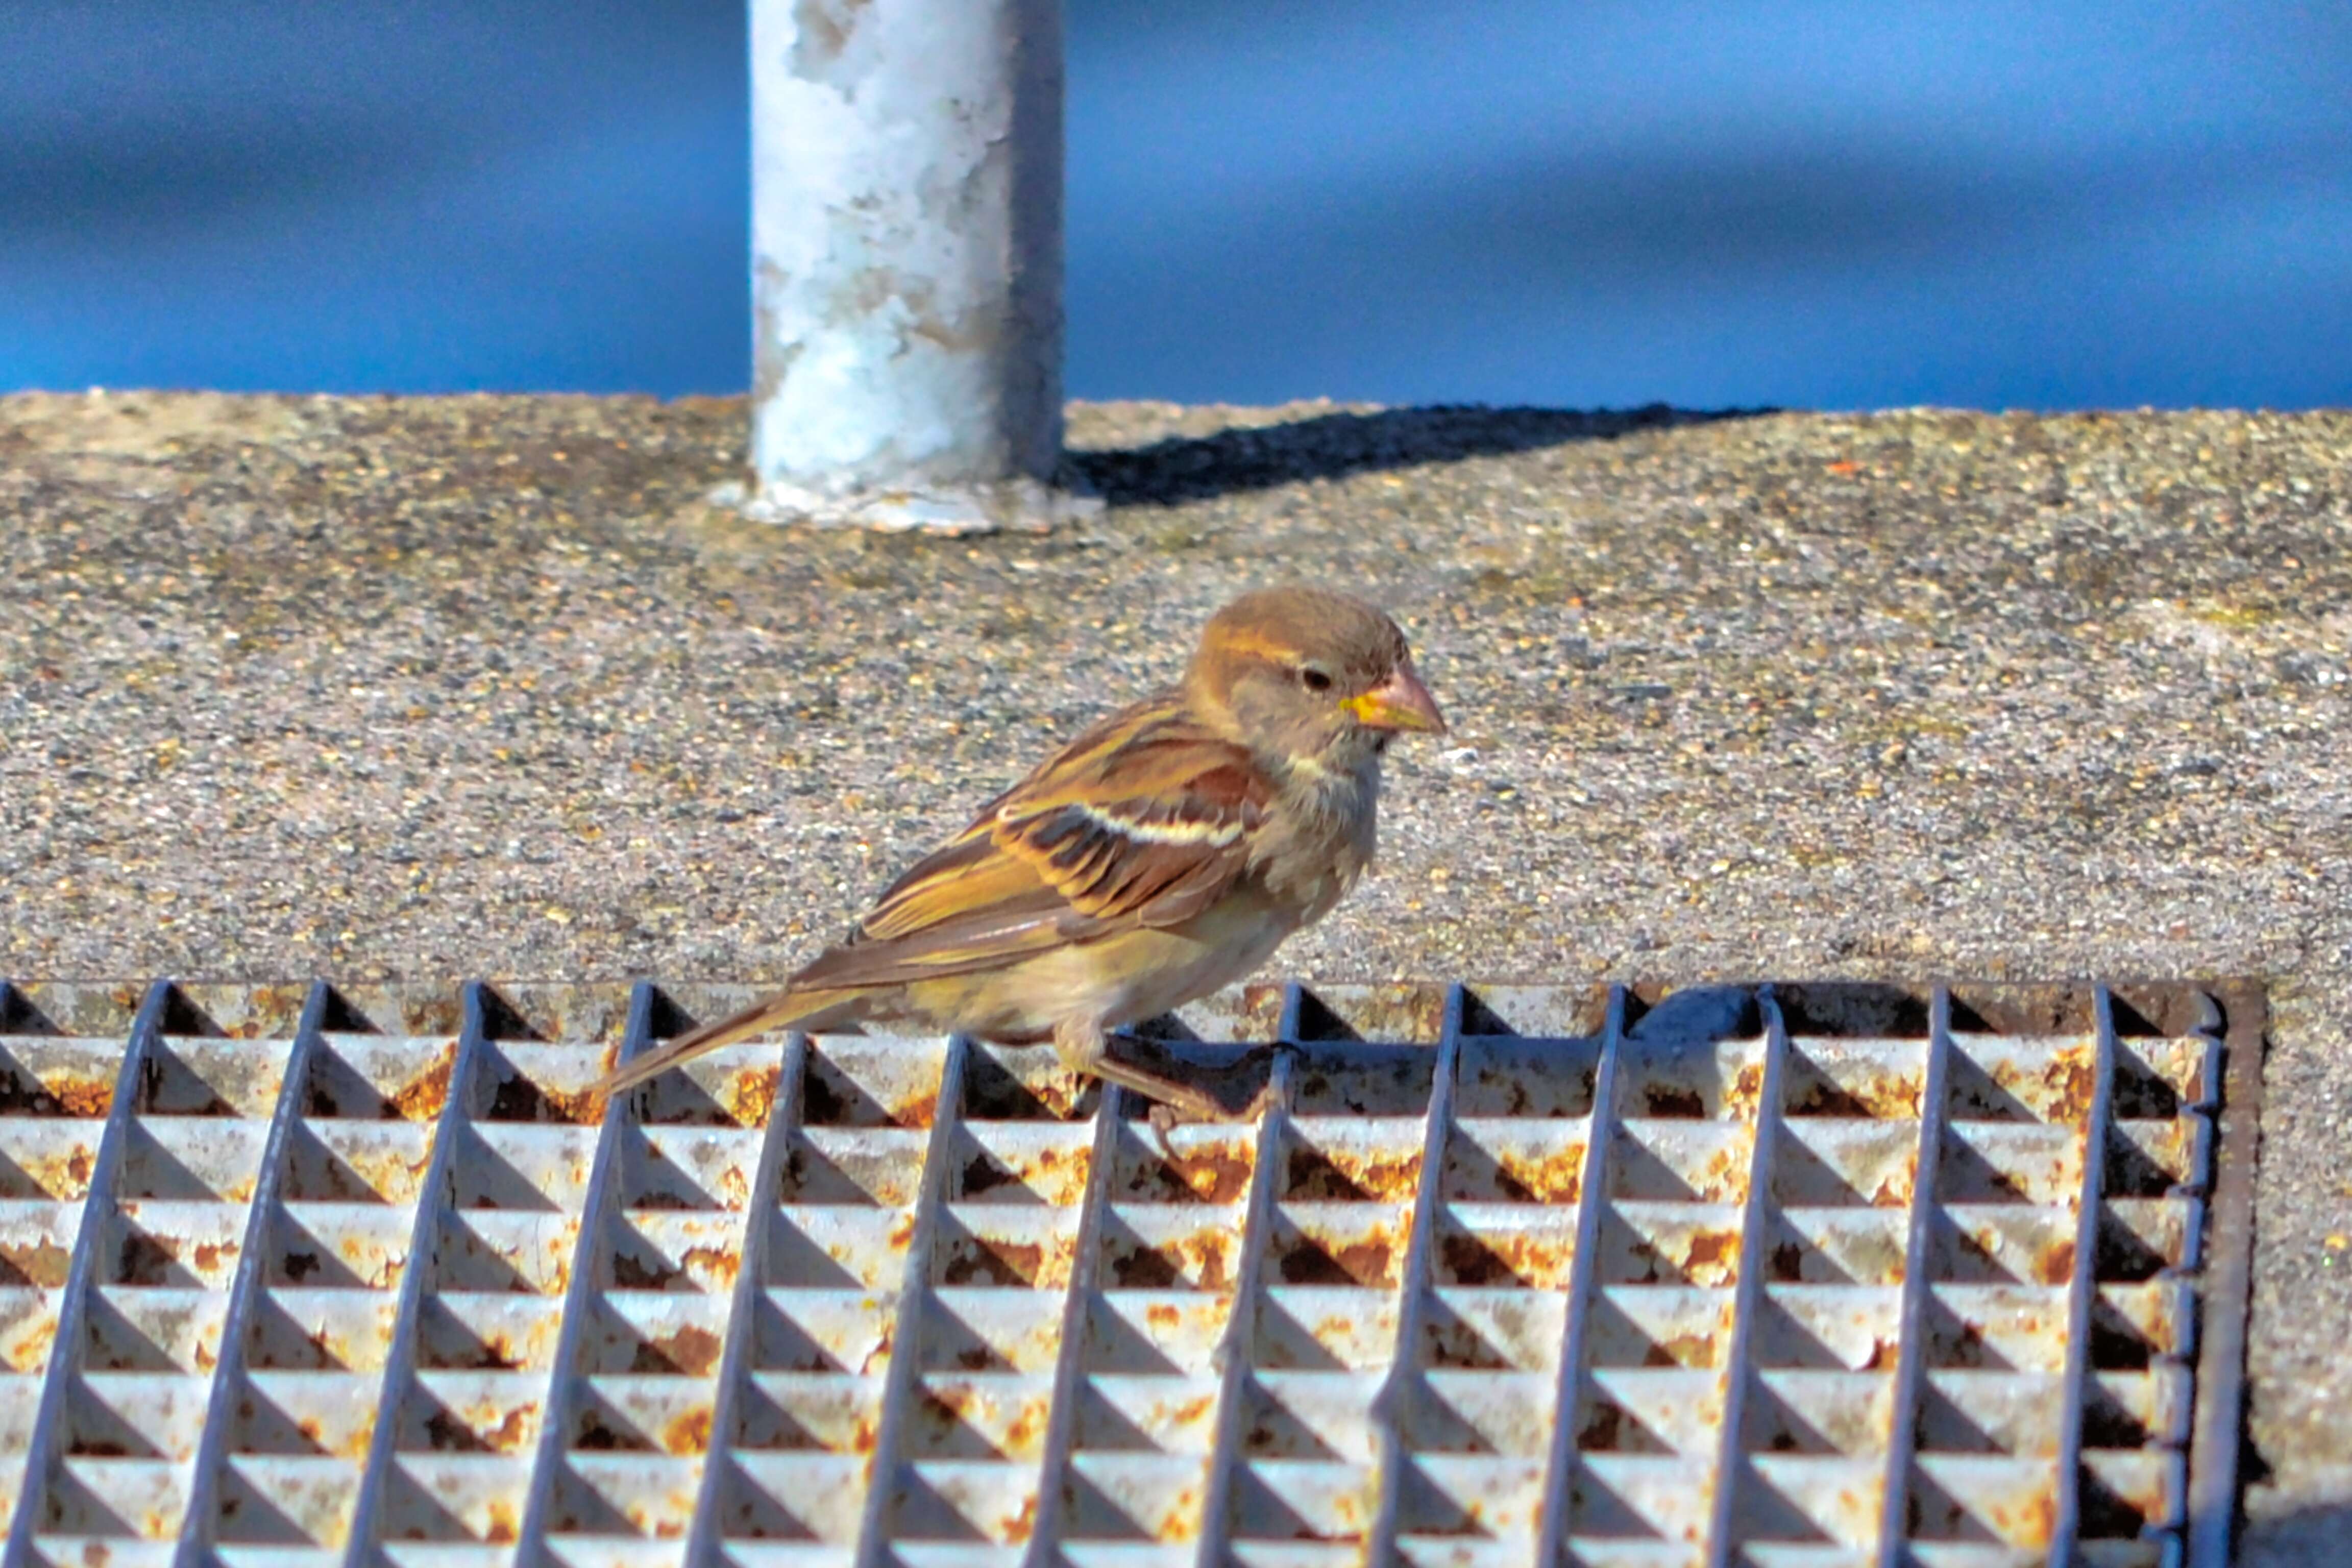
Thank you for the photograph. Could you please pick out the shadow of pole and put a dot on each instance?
(1334, 446)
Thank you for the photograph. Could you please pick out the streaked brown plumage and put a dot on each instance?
(1164, 853)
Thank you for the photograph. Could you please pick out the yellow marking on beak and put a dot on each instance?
(1400, 703)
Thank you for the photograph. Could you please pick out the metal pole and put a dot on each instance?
(907, 263)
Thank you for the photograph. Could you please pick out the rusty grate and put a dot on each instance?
(1793, 1277)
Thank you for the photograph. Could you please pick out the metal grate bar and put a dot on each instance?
(739, 1354)
(434, 1200)
(2082, 1291)
(1911, 1357)
(1554, 1523)
(1236, 1346)
(43, 1455)
(2134, 1501)
(1403, 1381)
(915, 1302)
(1754, 1227)
(2221, 1354)
(196, 1530)
(579, 1293)
(1070, 1359)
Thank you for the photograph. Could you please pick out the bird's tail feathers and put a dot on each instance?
(790, 1009)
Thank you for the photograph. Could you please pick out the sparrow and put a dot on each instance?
(1163, 854)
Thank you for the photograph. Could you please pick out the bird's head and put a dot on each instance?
(1309, 674)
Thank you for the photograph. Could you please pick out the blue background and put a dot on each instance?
(2074, 202)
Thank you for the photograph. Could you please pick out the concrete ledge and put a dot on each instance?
(376, 689)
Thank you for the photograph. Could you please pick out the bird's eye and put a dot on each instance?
(1315, 678)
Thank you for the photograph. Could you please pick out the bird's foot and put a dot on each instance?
(1219, 1087)
(1181, 1091)
(1164, 1116)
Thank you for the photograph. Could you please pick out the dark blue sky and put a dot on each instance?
(2074, 202)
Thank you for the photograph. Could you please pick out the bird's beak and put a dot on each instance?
(1400, 703)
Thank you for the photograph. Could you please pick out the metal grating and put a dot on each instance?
(1817, 1275)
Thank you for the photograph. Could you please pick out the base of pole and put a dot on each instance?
(1005, 506)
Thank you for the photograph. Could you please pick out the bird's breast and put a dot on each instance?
(1320, 837)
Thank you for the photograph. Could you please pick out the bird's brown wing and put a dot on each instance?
(1141, 821)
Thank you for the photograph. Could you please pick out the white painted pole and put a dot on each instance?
(907, 262)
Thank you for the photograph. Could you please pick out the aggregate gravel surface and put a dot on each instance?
(377, 689)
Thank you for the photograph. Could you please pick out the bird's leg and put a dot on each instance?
(1085, 1048)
